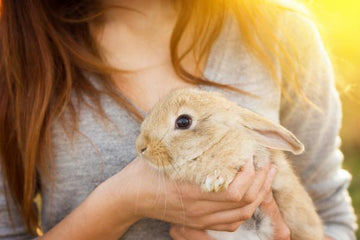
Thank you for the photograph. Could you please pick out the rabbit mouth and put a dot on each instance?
(157, 155)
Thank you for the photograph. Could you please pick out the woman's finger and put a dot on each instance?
(236, 189)
(225, 219)
(260, 178)
(175, 233)
(222, 219)
(231, 227)
(182, 232)
(201, 208)
(176, 236)
(270, 208)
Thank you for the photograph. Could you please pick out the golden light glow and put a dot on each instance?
(339, 23)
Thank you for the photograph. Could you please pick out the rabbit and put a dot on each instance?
(202, 138)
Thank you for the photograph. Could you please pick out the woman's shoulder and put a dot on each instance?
(232, 62)
(300, 29)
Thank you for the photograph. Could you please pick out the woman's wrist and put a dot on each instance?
(139, 190)
(119, 207)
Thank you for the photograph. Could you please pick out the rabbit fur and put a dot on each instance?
(221, 138)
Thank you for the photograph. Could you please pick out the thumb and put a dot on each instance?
(271, 209)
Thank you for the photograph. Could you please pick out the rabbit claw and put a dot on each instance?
(214, 184)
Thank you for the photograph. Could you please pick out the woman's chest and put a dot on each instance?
(145, 88)
(96, 152)
(99, 150)
(103, 148)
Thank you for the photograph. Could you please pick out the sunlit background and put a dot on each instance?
(339, 23)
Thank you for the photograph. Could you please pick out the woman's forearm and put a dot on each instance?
(104, 214)
(134, 193)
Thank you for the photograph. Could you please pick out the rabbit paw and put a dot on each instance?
(215, 183)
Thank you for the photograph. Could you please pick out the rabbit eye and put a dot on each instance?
(183, 122)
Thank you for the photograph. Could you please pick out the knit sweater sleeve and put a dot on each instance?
(320, 167)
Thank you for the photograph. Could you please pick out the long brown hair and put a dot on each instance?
(46, 50)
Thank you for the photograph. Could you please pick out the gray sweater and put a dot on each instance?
(103, 149)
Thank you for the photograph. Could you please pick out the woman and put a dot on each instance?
(76, 78)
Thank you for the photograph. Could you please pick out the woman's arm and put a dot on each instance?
(134, 193)
(320, 166)
(139, 191)
(105, 214)
(281, 231)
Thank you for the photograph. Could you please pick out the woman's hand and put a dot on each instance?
(178, 232)
(268, 206)
(154, 196)
(140, 191)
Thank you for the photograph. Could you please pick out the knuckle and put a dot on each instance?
(234, 195)
(199, 225)
(195, 211)
(284, 234)
(203, 226)
(249, 198)
(172, 231)
(266, 189)
(246, 215)
(265, 192)
(232, 227)
(172, 235)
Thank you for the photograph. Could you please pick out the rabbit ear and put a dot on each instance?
(270, 134)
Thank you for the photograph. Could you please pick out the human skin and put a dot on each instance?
(109, 210)
(268, 206)
(138, 42)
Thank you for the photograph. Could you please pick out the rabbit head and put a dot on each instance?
(187, 122)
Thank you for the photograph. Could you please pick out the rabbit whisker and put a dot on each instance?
(159, 190)
(205, 118)
(137, 196)
(181, 202)
(162, 137)
(175, 168)
(163, 183)
(179, 192)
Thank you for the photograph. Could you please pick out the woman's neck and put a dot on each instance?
(139, 14)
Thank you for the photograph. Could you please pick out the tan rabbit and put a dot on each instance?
(203, 138)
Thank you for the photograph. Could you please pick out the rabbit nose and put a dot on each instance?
(143, 150)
